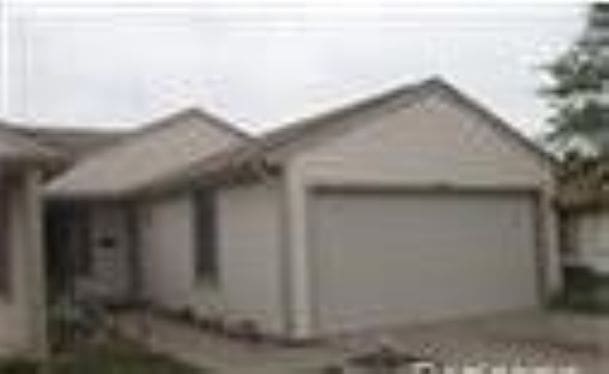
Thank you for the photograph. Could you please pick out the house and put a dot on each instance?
(584, 206)
(23, 167)
(412, 206)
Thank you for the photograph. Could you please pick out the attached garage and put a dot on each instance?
(390, 257)
(416, 207)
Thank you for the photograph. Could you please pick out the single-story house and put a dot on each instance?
(23, 167)
(412, 206)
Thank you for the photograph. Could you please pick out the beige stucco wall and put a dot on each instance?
(248, 245)
(432, 143)
(22, 315)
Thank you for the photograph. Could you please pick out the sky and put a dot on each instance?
(263, 63)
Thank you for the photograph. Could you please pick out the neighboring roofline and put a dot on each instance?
(35, 152)
(296, 130)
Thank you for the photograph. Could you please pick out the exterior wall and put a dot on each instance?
(23, 314)
(590, 239)
(436, 142)
(248, 248)
(166, 243)
(250, 258)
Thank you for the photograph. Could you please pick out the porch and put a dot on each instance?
(91, 248)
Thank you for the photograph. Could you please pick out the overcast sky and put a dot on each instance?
(260, 65)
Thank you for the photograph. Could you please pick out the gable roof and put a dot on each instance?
(268, 149)
(407, 95)
(15, 147)
(248, 153)
(158, 151)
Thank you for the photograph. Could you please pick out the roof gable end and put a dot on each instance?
(287, 138)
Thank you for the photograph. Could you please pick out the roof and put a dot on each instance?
(269, 147)
(308, 126)
(162, 149)
(166, 154)
(406, 95)
(73, 143)
(15, 147)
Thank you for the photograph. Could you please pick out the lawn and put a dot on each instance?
(116, 358)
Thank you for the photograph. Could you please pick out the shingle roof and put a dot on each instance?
(407, 94)
(73, 143)
(167, 153)
(16, 147)
(163, 149)
(299, 131)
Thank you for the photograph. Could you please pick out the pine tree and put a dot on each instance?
(579, 93)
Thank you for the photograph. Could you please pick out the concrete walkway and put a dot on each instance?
(530, 339)
(226, 355)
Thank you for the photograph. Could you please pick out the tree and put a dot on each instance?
(579, 92)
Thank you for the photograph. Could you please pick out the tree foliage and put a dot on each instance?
(579, 90)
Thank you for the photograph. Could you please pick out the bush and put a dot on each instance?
(18, 366)
(584, 291)
(116, 357)
(71, 322)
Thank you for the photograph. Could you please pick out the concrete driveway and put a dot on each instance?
(530, 339)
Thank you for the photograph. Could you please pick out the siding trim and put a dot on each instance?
(285, 267)
(349, 187)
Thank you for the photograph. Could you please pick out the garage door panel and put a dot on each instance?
(411, 257)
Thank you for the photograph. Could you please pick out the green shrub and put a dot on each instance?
(584, 291)
(18, 366)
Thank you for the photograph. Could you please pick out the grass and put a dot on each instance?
(115, 358)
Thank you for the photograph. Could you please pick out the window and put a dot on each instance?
(5, 255)
(206, 251)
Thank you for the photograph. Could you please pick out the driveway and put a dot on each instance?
(532, 339)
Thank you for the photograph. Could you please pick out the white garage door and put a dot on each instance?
(395, 257)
